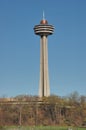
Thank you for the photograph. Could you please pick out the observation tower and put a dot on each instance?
(43, 30)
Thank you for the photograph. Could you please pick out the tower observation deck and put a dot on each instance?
(43, 30)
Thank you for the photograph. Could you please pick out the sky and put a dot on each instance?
(20, 47)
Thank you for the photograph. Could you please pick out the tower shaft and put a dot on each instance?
(44, 89)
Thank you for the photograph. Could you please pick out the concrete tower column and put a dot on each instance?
(43, 29)
(44, 89)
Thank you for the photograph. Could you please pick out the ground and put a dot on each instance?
(41, 128)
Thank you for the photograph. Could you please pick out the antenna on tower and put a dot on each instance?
(43, 15)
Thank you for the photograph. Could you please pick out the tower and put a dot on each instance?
(43, 30)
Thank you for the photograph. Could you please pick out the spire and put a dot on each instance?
(43, 15)
(43, 21)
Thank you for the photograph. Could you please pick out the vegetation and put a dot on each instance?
(41, 128)
(50, 111)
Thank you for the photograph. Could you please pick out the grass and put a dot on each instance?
(40, 128)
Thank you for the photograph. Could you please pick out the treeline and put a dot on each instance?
(53, 110)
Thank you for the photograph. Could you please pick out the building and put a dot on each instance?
(43, 30)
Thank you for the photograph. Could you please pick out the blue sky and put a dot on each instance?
(20, 48)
